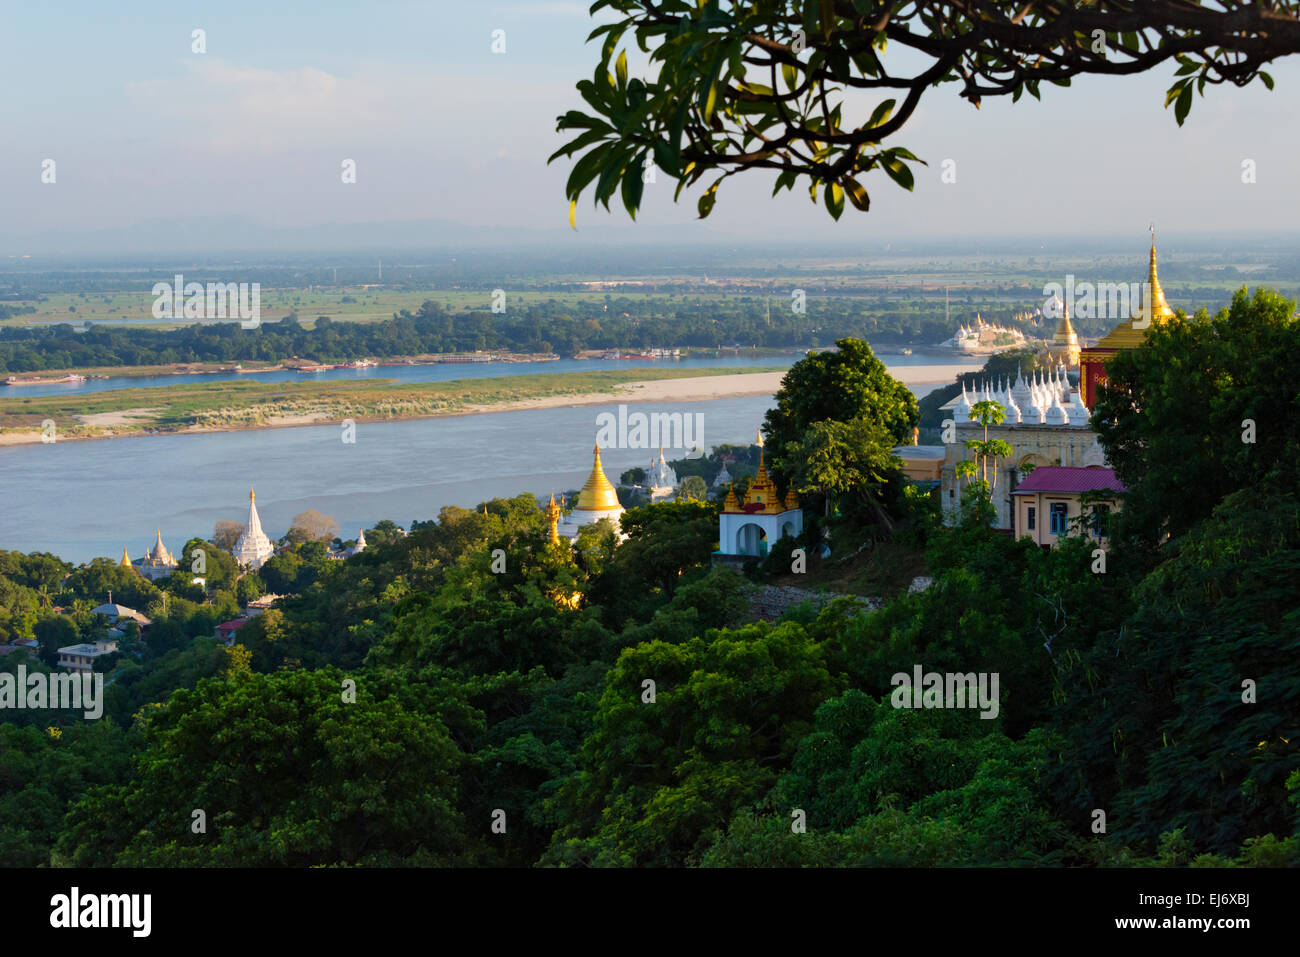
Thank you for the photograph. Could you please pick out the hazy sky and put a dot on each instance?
(440, 127)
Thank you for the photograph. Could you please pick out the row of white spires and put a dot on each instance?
(1045, 399)
(973, 332)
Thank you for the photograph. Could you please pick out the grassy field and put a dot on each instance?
(238, 405)
(373, 303)
(369, 305)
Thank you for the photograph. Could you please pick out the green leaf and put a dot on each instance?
(791, 76)
(786, 180)
(1183, 105)
(620, 68)
(711, 100)
(633, 186)
(899, 173)
(881, 113)
(1268, 80)
(666, 159)
(585, 170)
(834, 199)
(705, 205)
(857, 195)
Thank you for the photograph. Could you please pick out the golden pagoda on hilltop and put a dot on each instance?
(597, 500)
(1129, 334)
(748, 528)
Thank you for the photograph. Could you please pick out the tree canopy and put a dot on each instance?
(739, 85)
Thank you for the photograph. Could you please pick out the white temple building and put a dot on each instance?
(1045, 423)
(983, 338)
(660, 479)
(748, 529)
(157, 562)
(723, 477)
(253, 547)
(344, 553)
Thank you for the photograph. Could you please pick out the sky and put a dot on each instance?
(441, 128)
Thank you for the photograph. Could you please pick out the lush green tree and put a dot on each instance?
(841, 385)
(1205, 407)
(94, 580)
(288, 771)
(384, 532)
(694, 489)
(655, 776)
(837, 459)
(1186, 714)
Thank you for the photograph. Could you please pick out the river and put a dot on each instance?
(80, 500)
(433, 372)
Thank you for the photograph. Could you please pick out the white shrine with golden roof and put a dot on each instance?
(750, 527)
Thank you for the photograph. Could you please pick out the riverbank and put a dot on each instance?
(231, 406)
(246, 405)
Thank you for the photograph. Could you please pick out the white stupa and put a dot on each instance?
(660, 479)
(253, 547)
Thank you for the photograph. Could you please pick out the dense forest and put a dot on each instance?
(543, 328)
(617, 703)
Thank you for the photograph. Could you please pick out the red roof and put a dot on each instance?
(232, 625)
(1060, 478)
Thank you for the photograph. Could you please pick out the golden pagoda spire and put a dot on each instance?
(1064, 330)
(1155, 308)
(762, 491)
(731, 503)
(597, 495)
(126, 561)
(251, 496)
(553, 519)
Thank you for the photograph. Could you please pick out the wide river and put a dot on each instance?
(80, 500)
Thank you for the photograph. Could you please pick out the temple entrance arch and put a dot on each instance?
(751, 539)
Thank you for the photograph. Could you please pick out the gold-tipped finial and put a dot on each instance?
(250, 495)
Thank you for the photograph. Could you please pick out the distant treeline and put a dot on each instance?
(564, 328)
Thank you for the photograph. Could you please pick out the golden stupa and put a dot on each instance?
(598, 494)
(1129, 334)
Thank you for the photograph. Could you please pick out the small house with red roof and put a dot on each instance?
(226, 631)
(1050, 502)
